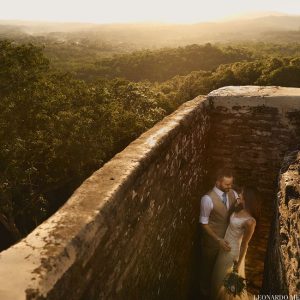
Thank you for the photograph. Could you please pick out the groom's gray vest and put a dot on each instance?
(218, 218)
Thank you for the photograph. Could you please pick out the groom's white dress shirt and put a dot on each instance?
(206, 205)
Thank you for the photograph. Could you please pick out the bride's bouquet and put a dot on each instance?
(234, 283)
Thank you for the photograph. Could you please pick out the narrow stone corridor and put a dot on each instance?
(254, 265)
(251, 138)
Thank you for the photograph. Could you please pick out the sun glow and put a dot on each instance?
(125, 11)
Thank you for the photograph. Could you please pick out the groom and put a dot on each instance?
(214, 210)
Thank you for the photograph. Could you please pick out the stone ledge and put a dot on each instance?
(271, 96)
(32, 267)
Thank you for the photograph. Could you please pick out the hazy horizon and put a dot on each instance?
(141, 11)
(237, 17)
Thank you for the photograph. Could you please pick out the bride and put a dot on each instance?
(242, 223)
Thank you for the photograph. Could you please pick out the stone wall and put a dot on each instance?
(282, 276)
(128, 231)
(251, 130)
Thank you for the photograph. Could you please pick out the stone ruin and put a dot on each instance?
(131, 230)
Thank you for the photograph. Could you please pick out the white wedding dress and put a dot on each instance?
(224, 261)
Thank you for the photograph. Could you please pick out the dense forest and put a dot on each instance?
(63, 118)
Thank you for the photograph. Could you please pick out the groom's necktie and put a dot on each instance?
(224, 199)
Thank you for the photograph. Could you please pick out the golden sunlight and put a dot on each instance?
(188, 11)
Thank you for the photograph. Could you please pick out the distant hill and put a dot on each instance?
(155, 35)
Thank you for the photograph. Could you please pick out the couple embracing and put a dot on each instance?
(228, 220)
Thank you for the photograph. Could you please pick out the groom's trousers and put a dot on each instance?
(207, 261)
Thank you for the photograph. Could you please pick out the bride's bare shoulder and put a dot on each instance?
(251, 222)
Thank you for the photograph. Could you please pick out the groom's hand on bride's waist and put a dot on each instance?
(224, 245)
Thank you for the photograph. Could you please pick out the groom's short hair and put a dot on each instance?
(224, 172)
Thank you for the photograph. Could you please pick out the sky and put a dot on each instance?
(126, 11)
